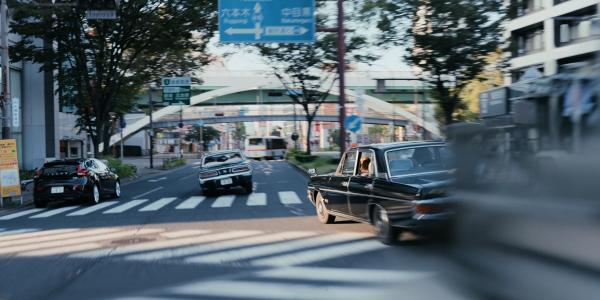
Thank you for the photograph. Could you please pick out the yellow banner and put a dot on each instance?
(10, 183)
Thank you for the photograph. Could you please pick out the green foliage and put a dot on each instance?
(377, 132)
(309, 71)
(208, 134)
(322, 164)
(448, 41)
(100, 65)
(170, 163)
(120, 168)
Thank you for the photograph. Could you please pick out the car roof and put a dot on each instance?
(65, 161)
(399, 145)
(222, 152)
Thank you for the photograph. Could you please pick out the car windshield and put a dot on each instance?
(223, 158)
(53, 169)
(409, 161)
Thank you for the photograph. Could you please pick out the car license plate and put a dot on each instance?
(57, 190)
(226, 181)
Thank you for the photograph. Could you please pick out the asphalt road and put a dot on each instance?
(164, 240)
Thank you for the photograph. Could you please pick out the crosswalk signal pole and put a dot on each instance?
(342, 74)
(5, 100)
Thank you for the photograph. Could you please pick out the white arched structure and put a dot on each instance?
(374, 103)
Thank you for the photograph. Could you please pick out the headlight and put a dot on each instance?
(208, 174)
(240, 169)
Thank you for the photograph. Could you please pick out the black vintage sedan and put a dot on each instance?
(395, 187)
(76, 179)
(224, 170)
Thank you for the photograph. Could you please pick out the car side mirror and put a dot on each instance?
(113, 170)
(312, 172)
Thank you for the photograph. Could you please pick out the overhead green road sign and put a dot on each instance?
(177, 90)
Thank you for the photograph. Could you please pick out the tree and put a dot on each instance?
(377, 133)
(490, 77)
(239, 133)
(447, 41)
(308, 71)
(208, 134)
(101, 65)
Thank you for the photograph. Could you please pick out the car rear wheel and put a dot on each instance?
(117, 193)
(247, 188)
(322, 212)
(386, 233)
(95, 196)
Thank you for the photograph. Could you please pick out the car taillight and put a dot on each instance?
(428, 208)
(81, 171)
(209, 174)
(240, 169)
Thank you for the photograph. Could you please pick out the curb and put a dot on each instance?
(300, 169)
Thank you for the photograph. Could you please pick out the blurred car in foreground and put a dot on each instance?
(224, 170)
(395, 187)
(79, 179)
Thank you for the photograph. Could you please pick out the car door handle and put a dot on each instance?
(345, 184)
(369, 187)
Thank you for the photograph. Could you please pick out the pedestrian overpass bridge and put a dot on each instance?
(401, 117)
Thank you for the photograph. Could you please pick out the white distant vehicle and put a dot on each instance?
(270, 147)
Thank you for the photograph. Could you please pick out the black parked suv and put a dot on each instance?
(72, 180)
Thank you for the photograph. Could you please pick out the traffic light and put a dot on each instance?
(180, 125)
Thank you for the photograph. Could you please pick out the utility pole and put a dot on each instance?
(5, 71)
(151, 132)
(341, 41)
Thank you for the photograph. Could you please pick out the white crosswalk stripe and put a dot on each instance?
(320, 254)
(191, 203)
(124, 207)
(228, 241)
(258, 251)
(158, 204)
(223, 201)
(16, 231)
(257, 199)
(289, 197)
(22, 213)
(53, 212)
(343, 275)
(115, 207)
(93, 208)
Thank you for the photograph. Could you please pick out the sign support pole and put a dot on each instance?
(5, 71)
(342, 74)
(151, 108)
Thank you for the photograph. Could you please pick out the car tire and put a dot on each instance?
(247, 188)
(117, 193)
(95, 196)
(322, 213)
(39, 203)
(385, 232)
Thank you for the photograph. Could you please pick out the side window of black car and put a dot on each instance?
(89, 165)
(349, 164)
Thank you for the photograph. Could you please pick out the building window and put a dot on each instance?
(576, 27)
(529, 41)
(521, 8)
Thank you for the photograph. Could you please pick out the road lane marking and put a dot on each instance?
(191, 203)
(171, 253)
(35, 234)
(157, 179)
(183, 233)
(279, 291)
(270, 249)
(155, 245)
(289, 197)
(17, 231)
(91, 209)
(22, 213)
(187, 176)
(343, 274)
(148, 192)
(82, 240)
(54, 237)
(158, 204)
(53, 212)
(223, 201)
(320, 254)
(257, 199)
(62, 250)
(123, 207)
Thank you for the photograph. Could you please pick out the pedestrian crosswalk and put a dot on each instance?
(286, 260)
(254, 200)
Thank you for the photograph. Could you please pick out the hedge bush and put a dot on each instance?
(121, 169)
